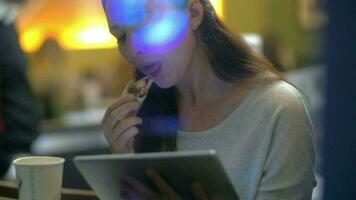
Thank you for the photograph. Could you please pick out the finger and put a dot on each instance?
(161, 184)
(139, 188)
(126, 124)
(126, 136)
(199, 191)
(123, 100)
(124, 190)
(132, 195)
(124, 193)
(120, 113)
(131, 142)
(113, 136)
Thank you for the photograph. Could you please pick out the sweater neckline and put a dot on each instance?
(238, 109)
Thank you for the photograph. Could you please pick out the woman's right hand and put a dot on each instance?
(119, 124)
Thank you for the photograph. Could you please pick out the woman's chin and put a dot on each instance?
(163, 84)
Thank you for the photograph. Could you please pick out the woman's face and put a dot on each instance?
(153, 35)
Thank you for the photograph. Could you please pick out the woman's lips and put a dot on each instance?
(153, 70)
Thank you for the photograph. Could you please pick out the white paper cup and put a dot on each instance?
(40, 177)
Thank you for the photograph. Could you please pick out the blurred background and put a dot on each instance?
(75, 67)
(75, 70)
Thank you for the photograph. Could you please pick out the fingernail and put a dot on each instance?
(125, 185)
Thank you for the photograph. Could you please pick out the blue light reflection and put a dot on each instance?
(159, 25)
(165, 33)
(130, 12)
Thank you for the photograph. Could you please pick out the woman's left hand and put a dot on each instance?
(131, 188)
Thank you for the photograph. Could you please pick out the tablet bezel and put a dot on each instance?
(180, 169)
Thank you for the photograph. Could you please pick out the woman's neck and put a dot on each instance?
(200, 84)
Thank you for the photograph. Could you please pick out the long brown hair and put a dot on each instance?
(230, 56)
(231, 60)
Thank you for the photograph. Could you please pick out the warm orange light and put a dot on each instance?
(87, 37)
(218, 6)
(87, 31)
(31, 39)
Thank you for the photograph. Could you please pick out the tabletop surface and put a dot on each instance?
(8, 191)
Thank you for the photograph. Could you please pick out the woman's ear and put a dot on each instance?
(196, 13)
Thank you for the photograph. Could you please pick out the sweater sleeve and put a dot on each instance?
(289, 167)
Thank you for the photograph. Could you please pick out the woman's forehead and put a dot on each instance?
(159, 25)
(126, 13)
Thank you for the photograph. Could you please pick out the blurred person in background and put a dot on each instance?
(222, 94)
(18, 115)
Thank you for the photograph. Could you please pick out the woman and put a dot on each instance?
(228, 99)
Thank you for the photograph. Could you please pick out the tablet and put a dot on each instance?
(180, 169)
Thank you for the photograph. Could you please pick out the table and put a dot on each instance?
(8, 190)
